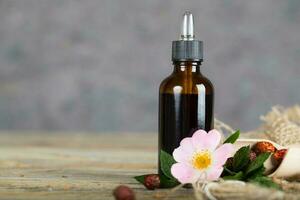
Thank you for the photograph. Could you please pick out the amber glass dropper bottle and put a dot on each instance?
(185, 97)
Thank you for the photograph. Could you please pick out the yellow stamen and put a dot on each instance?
(201, 160)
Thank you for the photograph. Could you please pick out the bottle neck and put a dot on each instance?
(187, 67)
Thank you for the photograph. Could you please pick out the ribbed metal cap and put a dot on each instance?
(187, 48)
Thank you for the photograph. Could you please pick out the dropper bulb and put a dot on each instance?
(187, 31)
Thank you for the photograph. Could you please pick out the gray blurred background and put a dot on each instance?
(96, 65)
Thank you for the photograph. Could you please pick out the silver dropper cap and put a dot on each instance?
(187, 29)
(187, 48)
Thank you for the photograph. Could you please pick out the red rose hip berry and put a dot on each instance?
(152, 181)
(123, 192)
(279, 155)
(263, 147)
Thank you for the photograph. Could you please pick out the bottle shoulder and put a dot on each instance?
(203, 80)
(186, 84)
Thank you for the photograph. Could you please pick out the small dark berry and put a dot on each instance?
(263, 147)
(252, 155)
(123, 192)
(152, 181)
(279, 155)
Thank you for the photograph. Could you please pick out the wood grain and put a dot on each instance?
(77, 166)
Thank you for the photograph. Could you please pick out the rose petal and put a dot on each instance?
(206, 141)
(213, 139)
(214, 173)
(198, 139)
(185, 151)
(187, 145)
(183, 173)
(180, 155)
(222, 154)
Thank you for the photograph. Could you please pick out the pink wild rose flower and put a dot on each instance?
(199, 157)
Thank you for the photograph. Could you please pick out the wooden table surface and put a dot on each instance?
(76, 166)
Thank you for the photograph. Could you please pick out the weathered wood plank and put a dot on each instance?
(76, 166)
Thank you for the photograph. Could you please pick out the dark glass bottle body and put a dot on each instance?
(185, 104)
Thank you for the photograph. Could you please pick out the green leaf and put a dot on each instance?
(257, 163)
(233, 137)
(237, 176)
(166, 182)
(265, 181)
(141, 178)
(257, 173)
(241, 158)
(166, 161)
(228, 171)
